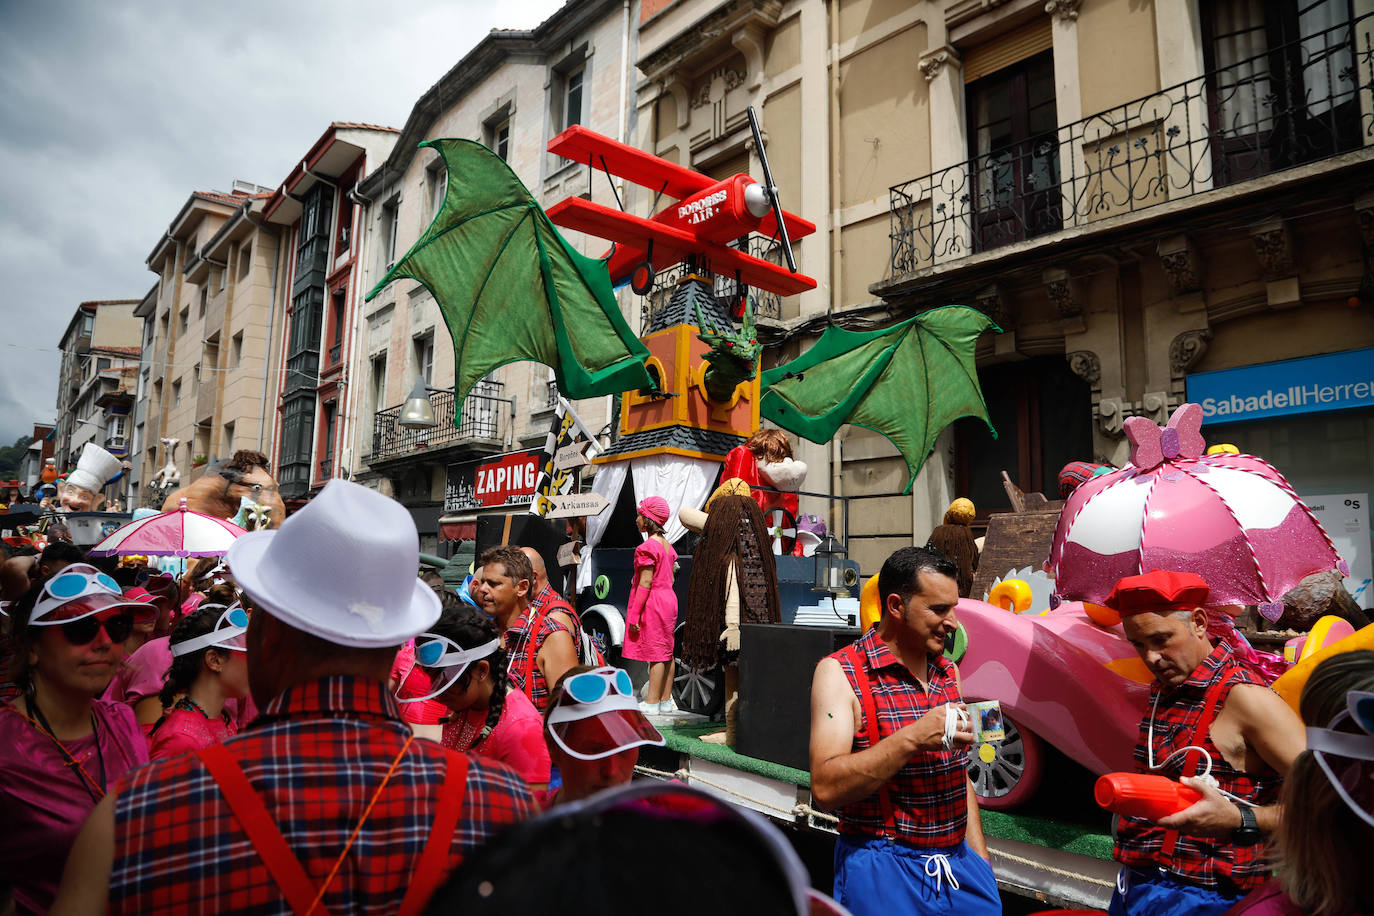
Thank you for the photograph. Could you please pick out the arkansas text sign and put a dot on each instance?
(504, 480)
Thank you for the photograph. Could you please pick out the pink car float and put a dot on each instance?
(1060, 678)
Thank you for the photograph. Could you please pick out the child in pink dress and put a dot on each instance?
(209, 667)
(652, 615)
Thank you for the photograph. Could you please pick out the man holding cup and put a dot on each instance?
(889, 739)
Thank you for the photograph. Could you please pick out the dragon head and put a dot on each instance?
(734, 356)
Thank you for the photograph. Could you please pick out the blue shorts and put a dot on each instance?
(877, 877)
(1149, 892)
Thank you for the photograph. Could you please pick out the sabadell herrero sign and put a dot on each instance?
(1313, 384)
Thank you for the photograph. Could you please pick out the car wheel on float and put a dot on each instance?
(696, 690)
(1006, 773)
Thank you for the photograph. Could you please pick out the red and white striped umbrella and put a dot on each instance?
(1233, 519)
(180, 532)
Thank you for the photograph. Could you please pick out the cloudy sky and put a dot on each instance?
(112, 111)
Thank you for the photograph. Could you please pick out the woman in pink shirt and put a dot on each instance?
(209, 666)
(466, 665)
(60, 746)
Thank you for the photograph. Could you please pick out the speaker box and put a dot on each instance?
(775, 668)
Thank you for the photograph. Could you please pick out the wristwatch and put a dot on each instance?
(1248, 833)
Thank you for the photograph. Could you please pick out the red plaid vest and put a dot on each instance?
(523, 649)
(926, 803)
(315, 758)
(1213, 863)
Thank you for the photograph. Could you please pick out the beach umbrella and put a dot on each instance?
(1233, 519)
(179, 532)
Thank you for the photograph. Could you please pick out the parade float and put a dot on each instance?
(693, 397)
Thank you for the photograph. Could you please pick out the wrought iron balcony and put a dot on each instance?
(484, 422)
(766, 304)
(1293, 105)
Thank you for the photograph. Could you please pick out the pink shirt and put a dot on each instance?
(44, 802)
(184, 730)
(415, 683)
(145, 671)
(517, 740)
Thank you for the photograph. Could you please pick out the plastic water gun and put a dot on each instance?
(1142, 795)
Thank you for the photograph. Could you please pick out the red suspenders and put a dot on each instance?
(286, 869)
(870, 730)
(1215, 693)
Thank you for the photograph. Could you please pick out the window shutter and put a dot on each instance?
(1008, 48)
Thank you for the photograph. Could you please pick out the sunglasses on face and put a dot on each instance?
(82, 631)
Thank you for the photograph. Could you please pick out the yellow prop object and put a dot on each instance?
(1100, 615)
(1320, 636)
(1290, 684)
(1011, 595)
(870, 606)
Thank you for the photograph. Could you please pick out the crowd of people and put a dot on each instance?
(304, 726)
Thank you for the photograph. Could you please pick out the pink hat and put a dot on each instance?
(654, 508)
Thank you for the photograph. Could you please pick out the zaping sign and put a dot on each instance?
(506, 480)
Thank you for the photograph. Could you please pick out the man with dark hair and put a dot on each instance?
(328, 802)
(888, 753)
(539, 650)
(1209, 716)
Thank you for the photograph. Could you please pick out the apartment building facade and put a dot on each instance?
(513, 92)
(207, 351)
(97, 377)
(316, 214)
(1154, 200)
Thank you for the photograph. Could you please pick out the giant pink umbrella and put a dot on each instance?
(179, 532)
(1233, 519)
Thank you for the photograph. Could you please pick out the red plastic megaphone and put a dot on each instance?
(1144, 796)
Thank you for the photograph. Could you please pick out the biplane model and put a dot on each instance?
(707, 216)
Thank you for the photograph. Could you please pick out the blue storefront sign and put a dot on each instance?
(1334, 381)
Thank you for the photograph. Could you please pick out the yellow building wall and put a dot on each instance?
(884, 117)
(1116, 53)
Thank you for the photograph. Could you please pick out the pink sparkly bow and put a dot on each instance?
(1182, 438)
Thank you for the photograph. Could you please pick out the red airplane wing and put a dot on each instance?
(797, 227)
(671, 245)
(587, 146)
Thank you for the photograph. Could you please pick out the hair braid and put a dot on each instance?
(470, 628)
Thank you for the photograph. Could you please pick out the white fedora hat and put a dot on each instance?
(343, 569)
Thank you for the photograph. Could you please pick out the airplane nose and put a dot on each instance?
(756, 200)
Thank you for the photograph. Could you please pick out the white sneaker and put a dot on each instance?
(667, 707)
(649, 709)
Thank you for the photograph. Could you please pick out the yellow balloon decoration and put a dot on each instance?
(1100, 615)
(1290, 684)
(870, 606)
(1011, 595)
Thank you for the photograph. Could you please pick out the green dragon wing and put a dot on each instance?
(907, 382)
(511, 288)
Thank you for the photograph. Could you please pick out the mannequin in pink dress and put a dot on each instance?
(652, 614)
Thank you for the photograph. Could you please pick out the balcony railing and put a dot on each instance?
(1295, 104)
(484, 421)
(326, 468)
(766, 304)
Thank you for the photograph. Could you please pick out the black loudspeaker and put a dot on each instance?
(775, 667)
(522, 529)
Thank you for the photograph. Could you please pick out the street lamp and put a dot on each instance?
(418, 412)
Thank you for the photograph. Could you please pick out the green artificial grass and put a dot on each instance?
(1026, 828)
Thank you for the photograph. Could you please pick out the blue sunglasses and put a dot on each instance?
(591, 686)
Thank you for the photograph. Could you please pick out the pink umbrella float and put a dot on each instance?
(179, 532)
(1231, 518)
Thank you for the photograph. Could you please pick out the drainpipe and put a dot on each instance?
(836, 240)
(320, 178)
(347, 421)
(271, 320)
